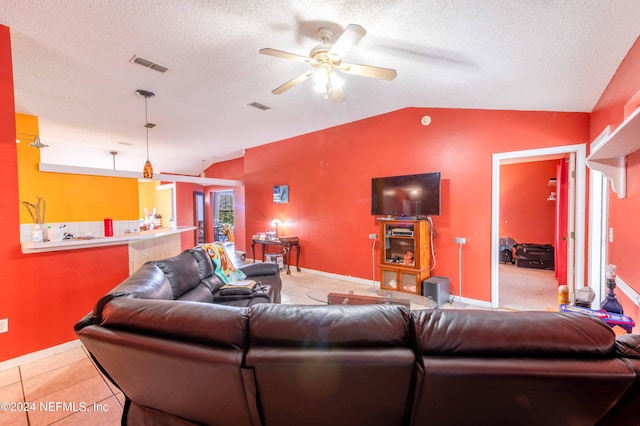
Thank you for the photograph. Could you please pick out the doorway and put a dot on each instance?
(223, 215)
(529, 253)
(198, 216)
(575, 257)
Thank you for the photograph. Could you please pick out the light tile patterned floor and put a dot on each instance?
(67, 388)
(527, 289)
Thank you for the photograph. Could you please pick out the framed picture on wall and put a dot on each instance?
(281, 194)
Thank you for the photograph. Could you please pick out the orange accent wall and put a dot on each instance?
(43, 295)
(69, 197)
(329, 176)
(623, 213)
(525, 213)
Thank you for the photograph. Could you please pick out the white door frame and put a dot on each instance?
(598, 226)
(530, 155)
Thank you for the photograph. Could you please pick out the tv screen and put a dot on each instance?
(409, 195)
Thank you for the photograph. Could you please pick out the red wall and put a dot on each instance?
(329, 176)
(525, 213)
(184, 211)
(623, 213)
(42, 295)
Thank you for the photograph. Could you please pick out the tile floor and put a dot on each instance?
(68, 389)
(527, 289)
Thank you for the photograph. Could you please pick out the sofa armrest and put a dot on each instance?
(628, 345)
(263, 268)
(88, 319)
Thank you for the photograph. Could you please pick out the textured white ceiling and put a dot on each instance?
(72, 67)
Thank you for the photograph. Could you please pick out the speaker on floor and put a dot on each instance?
(437, 289)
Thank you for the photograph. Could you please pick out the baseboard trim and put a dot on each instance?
(376, 284)
(35, 356)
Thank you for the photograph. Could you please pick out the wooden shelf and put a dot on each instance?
(609, 156)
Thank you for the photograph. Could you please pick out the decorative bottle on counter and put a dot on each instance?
(37, 233)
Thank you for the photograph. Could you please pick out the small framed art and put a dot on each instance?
(281, 194)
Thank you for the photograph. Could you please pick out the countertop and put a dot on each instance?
(29, 247)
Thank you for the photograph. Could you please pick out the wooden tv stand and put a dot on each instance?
(405, 255)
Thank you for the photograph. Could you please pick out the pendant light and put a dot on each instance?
(147, 172)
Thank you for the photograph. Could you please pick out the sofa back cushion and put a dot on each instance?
(502, 333)
(340, 365)
(181, 271)
(205, 265)
(546, 368)
(329, 326)
(148, 282)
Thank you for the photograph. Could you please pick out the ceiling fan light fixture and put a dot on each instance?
(327, 81)
(147, 171)
(326, 58)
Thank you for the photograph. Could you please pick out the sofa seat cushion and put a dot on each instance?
(200, 293)
(181, 271)
(222, 265)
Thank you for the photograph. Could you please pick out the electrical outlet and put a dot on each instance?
(373, 236)
(460, 240)
(4, 325)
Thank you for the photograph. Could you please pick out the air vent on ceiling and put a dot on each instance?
(147, 63)
(259, 106)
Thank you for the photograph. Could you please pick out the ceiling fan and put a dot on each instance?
(326, 58)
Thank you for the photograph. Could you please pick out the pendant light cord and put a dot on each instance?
(146, 124)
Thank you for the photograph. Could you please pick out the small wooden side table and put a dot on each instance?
(285, 242)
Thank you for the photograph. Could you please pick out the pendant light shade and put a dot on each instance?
(147, 172)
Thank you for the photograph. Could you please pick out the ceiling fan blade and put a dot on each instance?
(289, 84)
(349, 37)
(284, 55)
(368, 71)
(337, 95)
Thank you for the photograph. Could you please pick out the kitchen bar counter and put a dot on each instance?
(29, 247)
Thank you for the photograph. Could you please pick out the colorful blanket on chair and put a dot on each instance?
(223, 267)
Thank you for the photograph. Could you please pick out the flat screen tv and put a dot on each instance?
(406, 196)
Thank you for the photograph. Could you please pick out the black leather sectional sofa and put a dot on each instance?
(180, 361)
